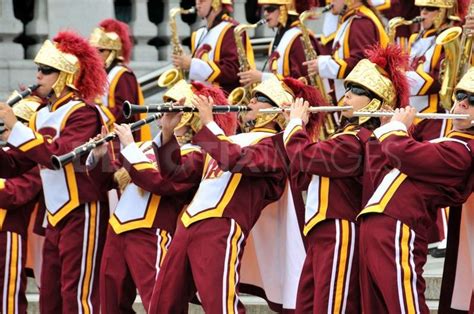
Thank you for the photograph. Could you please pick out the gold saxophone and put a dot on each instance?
(310, 54)
(450, 39)
(395, 22)
(466, 47)
(241, 95)
(170, 77)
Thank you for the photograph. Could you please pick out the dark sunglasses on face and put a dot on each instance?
(429, 9)
(264, 99)
(358, 90)
(461, 95)
(270, 8)
(46, 70)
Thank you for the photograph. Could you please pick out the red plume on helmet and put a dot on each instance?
(462, 8)
(314, 97)
(303, 5)
(393, 63)
(92, 79)
(121, 29)
(227, 122)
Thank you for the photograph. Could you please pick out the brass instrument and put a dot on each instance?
(170, 77)
(130, 109)
(466, 48)
(310, 54)
(241, 95)
(450, 39)
(398, 21)
(59, 162)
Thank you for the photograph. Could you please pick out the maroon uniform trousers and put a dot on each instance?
(131, 260)
(205, 256)
(70, 278)
(12, 274)
(391, 272)
(329, 280)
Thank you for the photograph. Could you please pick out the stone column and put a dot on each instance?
(9, 28)
(143, 30)
(39, 28)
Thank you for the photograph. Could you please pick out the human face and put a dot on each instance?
(357, 97)
(104, 54)
(337, 6)
(256, 103)
(464, 104)
(429, 14)
(45, 78)
(271, 13)
(203, 8)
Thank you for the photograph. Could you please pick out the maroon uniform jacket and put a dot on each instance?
(254, 174)
(409, 180)
(331, 168)
(18, 198)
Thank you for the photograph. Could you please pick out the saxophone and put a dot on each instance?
(450, 40)
(170, 77)
(466, 47)
(310, 54)
(395, 22)
(241, 95)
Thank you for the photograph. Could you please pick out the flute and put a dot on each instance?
(129, 109)
(59, 162)
(433, 116)
(310, 109)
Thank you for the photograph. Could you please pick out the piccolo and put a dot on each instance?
(25, 93)
(59, 162)
(131, 109)
(313, 109)
(432, 116)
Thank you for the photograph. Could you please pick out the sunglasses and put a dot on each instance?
(429, 9)
(461, 95)
(46, 70)
(264, 99)
(358, 90)
(270, 8)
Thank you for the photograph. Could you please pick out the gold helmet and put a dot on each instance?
(217, 4)
(286, 7)
(279, 94)
(443, 5)
(175, 93)
(467, 82)
(112, 35)
(384, 74)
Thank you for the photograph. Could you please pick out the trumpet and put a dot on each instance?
(59, 162)
(25, 93)
(129, 109)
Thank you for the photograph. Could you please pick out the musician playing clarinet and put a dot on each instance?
(70, 75)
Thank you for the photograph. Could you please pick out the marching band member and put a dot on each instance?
(360, 28)
(286, 54)
(408, 181)
(331, 171)
(214, 56)
(112, 39)
(18, 198)
(70, 75)
(235, 184)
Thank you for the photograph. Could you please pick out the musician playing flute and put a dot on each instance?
(70, 75)
(405, 182)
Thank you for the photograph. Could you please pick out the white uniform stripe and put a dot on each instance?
(349, 267)
(226, 266)
(84, 254)
(94, 257)
(7, 273)
(399, 268)
(413, 271)
(237, 278)
(18, 277)
(158, 252)
(334, 266)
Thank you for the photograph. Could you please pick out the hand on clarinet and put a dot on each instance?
(204, 105)
(99, 151)
(169, 121)
(7, 116)
(124, 134)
